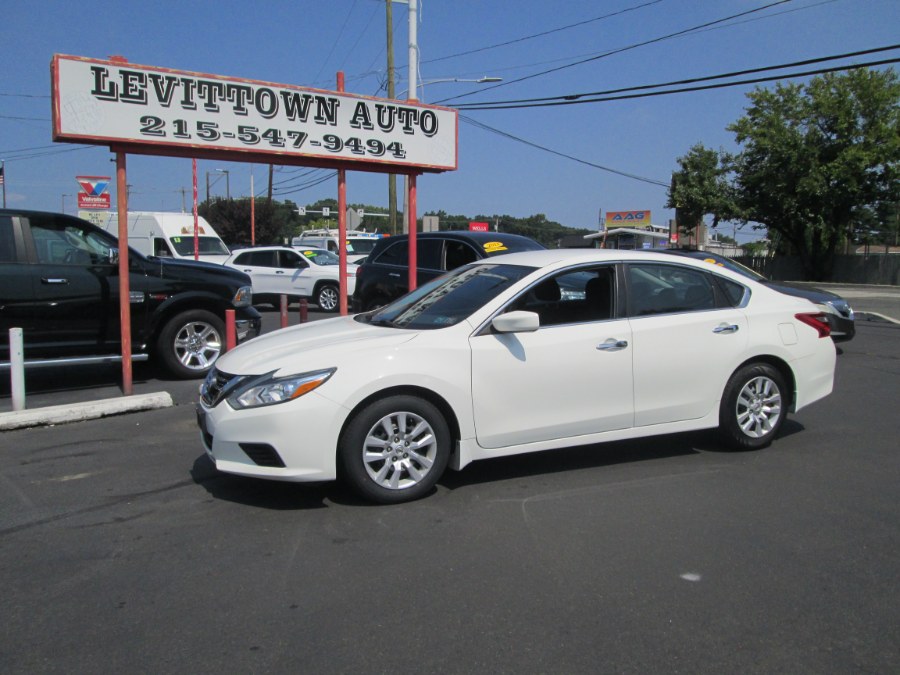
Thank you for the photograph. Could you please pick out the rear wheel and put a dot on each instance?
(328, 297)
(190, 342)
(395, 450)
(753, 406)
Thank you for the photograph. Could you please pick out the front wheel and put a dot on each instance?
(328, 298)
(395, 450)
(190, 342)
(753, 406)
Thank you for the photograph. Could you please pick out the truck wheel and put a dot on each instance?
(328, 298)
(190, 343)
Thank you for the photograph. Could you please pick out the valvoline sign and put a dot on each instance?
(627, 219)
(93, 193)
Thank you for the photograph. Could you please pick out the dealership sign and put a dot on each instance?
(627, 219)
(150, 109)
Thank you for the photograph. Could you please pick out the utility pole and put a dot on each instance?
(392, 178)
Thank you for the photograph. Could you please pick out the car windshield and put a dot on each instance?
(361, 246)
(206, 245)
(320, 256)
(449, 299)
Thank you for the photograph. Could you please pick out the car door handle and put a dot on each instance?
(724, 328)
(248, 271)
(278, 272)
(393, 274)
(53, 280)
(613, 345)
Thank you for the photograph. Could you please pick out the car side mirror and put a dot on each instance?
(516, 322)
(113, 256)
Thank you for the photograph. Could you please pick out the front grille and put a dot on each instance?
(262, 454)
(216, 386)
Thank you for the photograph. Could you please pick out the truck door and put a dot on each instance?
(76, 289)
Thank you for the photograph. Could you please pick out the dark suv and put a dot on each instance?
(384, 275)
(59, 283)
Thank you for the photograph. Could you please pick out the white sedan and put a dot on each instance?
(298, 273)
(534, 351)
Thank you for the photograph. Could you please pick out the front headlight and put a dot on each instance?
(269, 390)
(243, 297)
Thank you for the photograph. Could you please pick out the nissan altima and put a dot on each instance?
(529, 352)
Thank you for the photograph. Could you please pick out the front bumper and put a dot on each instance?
(247, 324)
(293, 441)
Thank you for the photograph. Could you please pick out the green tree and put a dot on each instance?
(813, 155)
(702, 187)
(231, 219)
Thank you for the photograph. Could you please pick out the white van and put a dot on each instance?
(169, 235)
(359, 242)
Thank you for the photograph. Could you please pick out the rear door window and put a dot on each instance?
(7, 240)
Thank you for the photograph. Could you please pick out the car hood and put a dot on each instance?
(812, 293)
(173, 268)
(328, 338)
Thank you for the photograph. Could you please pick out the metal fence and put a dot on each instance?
(880, 269)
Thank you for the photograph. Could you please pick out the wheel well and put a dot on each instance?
(321, 283)
(410, 390)
(783, 368)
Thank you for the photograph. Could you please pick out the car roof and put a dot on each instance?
(277, 248)
(575, 256)
(462, 235)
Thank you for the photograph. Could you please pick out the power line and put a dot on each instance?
(693, 80)
(542, 34)
(619, 50)
(594, 165)
(720, 85)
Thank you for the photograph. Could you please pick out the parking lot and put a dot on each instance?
(124, 550)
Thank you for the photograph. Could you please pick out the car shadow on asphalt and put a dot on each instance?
(269, 494)
(286, 496)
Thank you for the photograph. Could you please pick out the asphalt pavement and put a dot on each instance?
(89, 392)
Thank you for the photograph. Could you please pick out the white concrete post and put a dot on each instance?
(17, 371)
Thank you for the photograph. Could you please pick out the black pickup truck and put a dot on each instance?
(59, 283)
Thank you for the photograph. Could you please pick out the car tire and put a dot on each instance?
(190, 342)
(400, 466)
(328, 298)
(753, 407)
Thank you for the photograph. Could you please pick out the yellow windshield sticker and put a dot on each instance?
(494, 246)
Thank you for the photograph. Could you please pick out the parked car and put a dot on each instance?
(837, 310)
(493, 359)
(59, 283)
(384, 275)
(359, 242)
(298, 273)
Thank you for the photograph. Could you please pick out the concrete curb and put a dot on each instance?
(877, 317)
(78, 412)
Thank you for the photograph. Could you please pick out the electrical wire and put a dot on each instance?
(544, 33)
(619, 50)
(693, 80)
(594, 165)
(720, 85)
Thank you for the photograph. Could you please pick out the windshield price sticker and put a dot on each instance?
(119, 103)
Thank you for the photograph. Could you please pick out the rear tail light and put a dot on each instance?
(818, 321)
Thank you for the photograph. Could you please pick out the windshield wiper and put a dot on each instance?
(381, 322)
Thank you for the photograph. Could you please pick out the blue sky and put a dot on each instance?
(306, 43)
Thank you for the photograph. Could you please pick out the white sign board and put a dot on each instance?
(144, 107)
